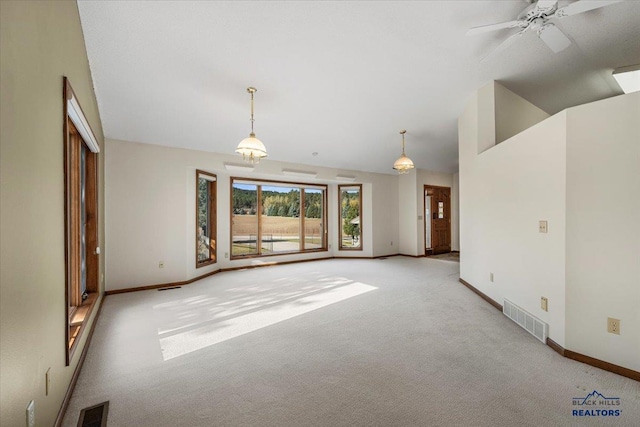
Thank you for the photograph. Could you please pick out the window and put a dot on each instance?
(81, 220)
(206, 216)
(350, 205)
(271, 218)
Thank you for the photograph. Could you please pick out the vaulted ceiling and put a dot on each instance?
(340, 79)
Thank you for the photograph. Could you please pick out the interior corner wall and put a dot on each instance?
(603, 230)
(485, 134)
(150, 217)
(503, 114)
(408, 213)
(504, 192)
(40, 42)
(513, 114)
(455, 213)
(385, 216)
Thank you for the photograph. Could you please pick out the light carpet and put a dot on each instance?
(393, 342)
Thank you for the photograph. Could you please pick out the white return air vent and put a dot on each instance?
(532, 324)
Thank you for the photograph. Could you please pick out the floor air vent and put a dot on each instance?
(529, 322)
(168, 289)
(94, 416)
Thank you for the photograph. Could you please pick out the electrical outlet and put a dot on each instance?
(392, 243)
(491, 276)
(613, 326)
(31, 414)
(47, 382)
(544, 227)
(544, 303)
(161, 264)
(226, 254)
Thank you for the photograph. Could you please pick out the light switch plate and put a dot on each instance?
(31, 414)
(544, 226)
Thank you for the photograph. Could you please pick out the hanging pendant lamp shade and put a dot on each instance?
(251, 148)
(403, 164)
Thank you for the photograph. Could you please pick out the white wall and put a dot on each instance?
(504, 192)
(503, 114)
(580, 171)
(513, 113)
(385, 215)
(150, 217)
(455, 213)
(603, 229)
(408, 213)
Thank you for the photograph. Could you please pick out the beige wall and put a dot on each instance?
(40, 43)
(603, 229)
(150, 217)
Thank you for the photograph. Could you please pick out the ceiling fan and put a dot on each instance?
(536, 17)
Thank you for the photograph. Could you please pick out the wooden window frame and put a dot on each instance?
(340, 246)
(259, 183)
(78, 137)
(213, 217)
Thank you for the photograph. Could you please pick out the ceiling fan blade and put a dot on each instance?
(504, 45)
(494, 27)
(554, 38)
(582, 6)
(545, 5)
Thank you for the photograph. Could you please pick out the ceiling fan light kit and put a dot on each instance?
(403, 164)
(536, 17)
(251, 148)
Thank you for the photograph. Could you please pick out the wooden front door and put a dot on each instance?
(440, 216)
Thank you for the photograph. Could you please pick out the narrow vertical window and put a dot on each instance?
(313, 218)
(244, 219)
(206, 216)
(350, 205)
(82, 261)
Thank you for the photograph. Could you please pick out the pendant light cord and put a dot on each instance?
(252, 113)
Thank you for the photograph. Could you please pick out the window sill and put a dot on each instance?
(248, 256)
(79, 319)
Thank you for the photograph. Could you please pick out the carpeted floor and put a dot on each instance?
(394, 342)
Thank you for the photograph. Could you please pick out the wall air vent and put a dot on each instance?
(529, 322)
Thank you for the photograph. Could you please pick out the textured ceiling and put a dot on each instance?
(337, 78)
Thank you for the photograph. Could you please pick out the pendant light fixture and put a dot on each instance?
(251, 148)
(403, 164)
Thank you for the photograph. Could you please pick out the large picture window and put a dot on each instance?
(350, 205)
(270, 218)
(205, 218)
